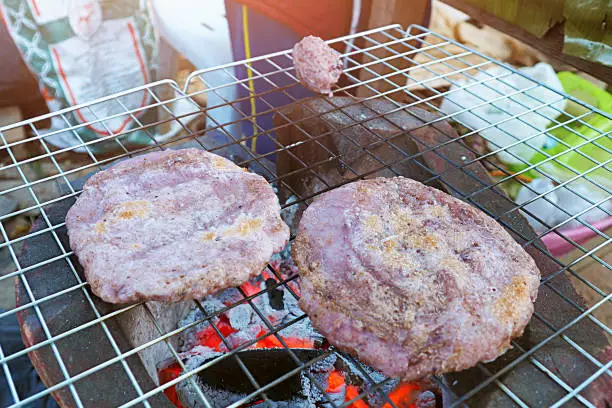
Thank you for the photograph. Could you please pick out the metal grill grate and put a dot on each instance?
(379, 64)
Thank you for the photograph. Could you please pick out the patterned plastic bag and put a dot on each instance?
(81, 50)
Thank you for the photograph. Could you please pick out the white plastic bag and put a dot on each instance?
(511, 102)
(562, 203)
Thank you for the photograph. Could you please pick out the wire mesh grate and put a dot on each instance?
(557, 362)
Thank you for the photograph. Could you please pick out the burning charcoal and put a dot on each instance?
(240, 316)
(189, 338)
(224, 382)
(291, 214)
(244, 336)
(427, 399)
(229, 296)
(212, 304)
(283, 263)
(240, 325)
(319, 372)
(275, 296)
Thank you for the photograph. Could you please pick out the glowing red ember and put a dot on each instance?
(404, 396)
(250, 289)
(168, 374)
(272, 341)
(209, 336)
(353, 392)
(341, 385)
(335, 382)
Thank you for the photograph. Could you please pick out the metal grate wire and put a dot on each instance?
(380, 64)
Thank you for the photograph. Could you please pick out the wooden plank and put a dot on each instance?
(8, 116)
(385, 12)
(550, 44)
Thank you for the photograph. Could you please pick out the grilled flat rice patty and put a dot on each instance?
(174, 225)
(411, 280)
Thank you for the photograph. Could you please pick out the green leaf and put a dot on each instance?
(587, 30)
(534, 16)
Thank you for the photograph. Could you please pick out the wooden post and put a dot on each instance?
(385, 12)
(401, 12)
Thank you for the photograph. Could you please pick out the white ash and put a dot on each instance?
(198, 355)
(319, 372)
(195, 314)
(325, 365)
(302, 328)
(426, 399)
(240, 316)
(289, 212)
(216, 398)
(315, 394)
(291, 303)
(240, 338)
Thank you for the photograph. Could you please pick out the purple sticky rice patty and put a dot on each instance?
(174, 225)
(411, 280)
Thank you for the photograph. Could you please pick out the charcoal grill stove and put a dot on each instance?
(93, 354)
